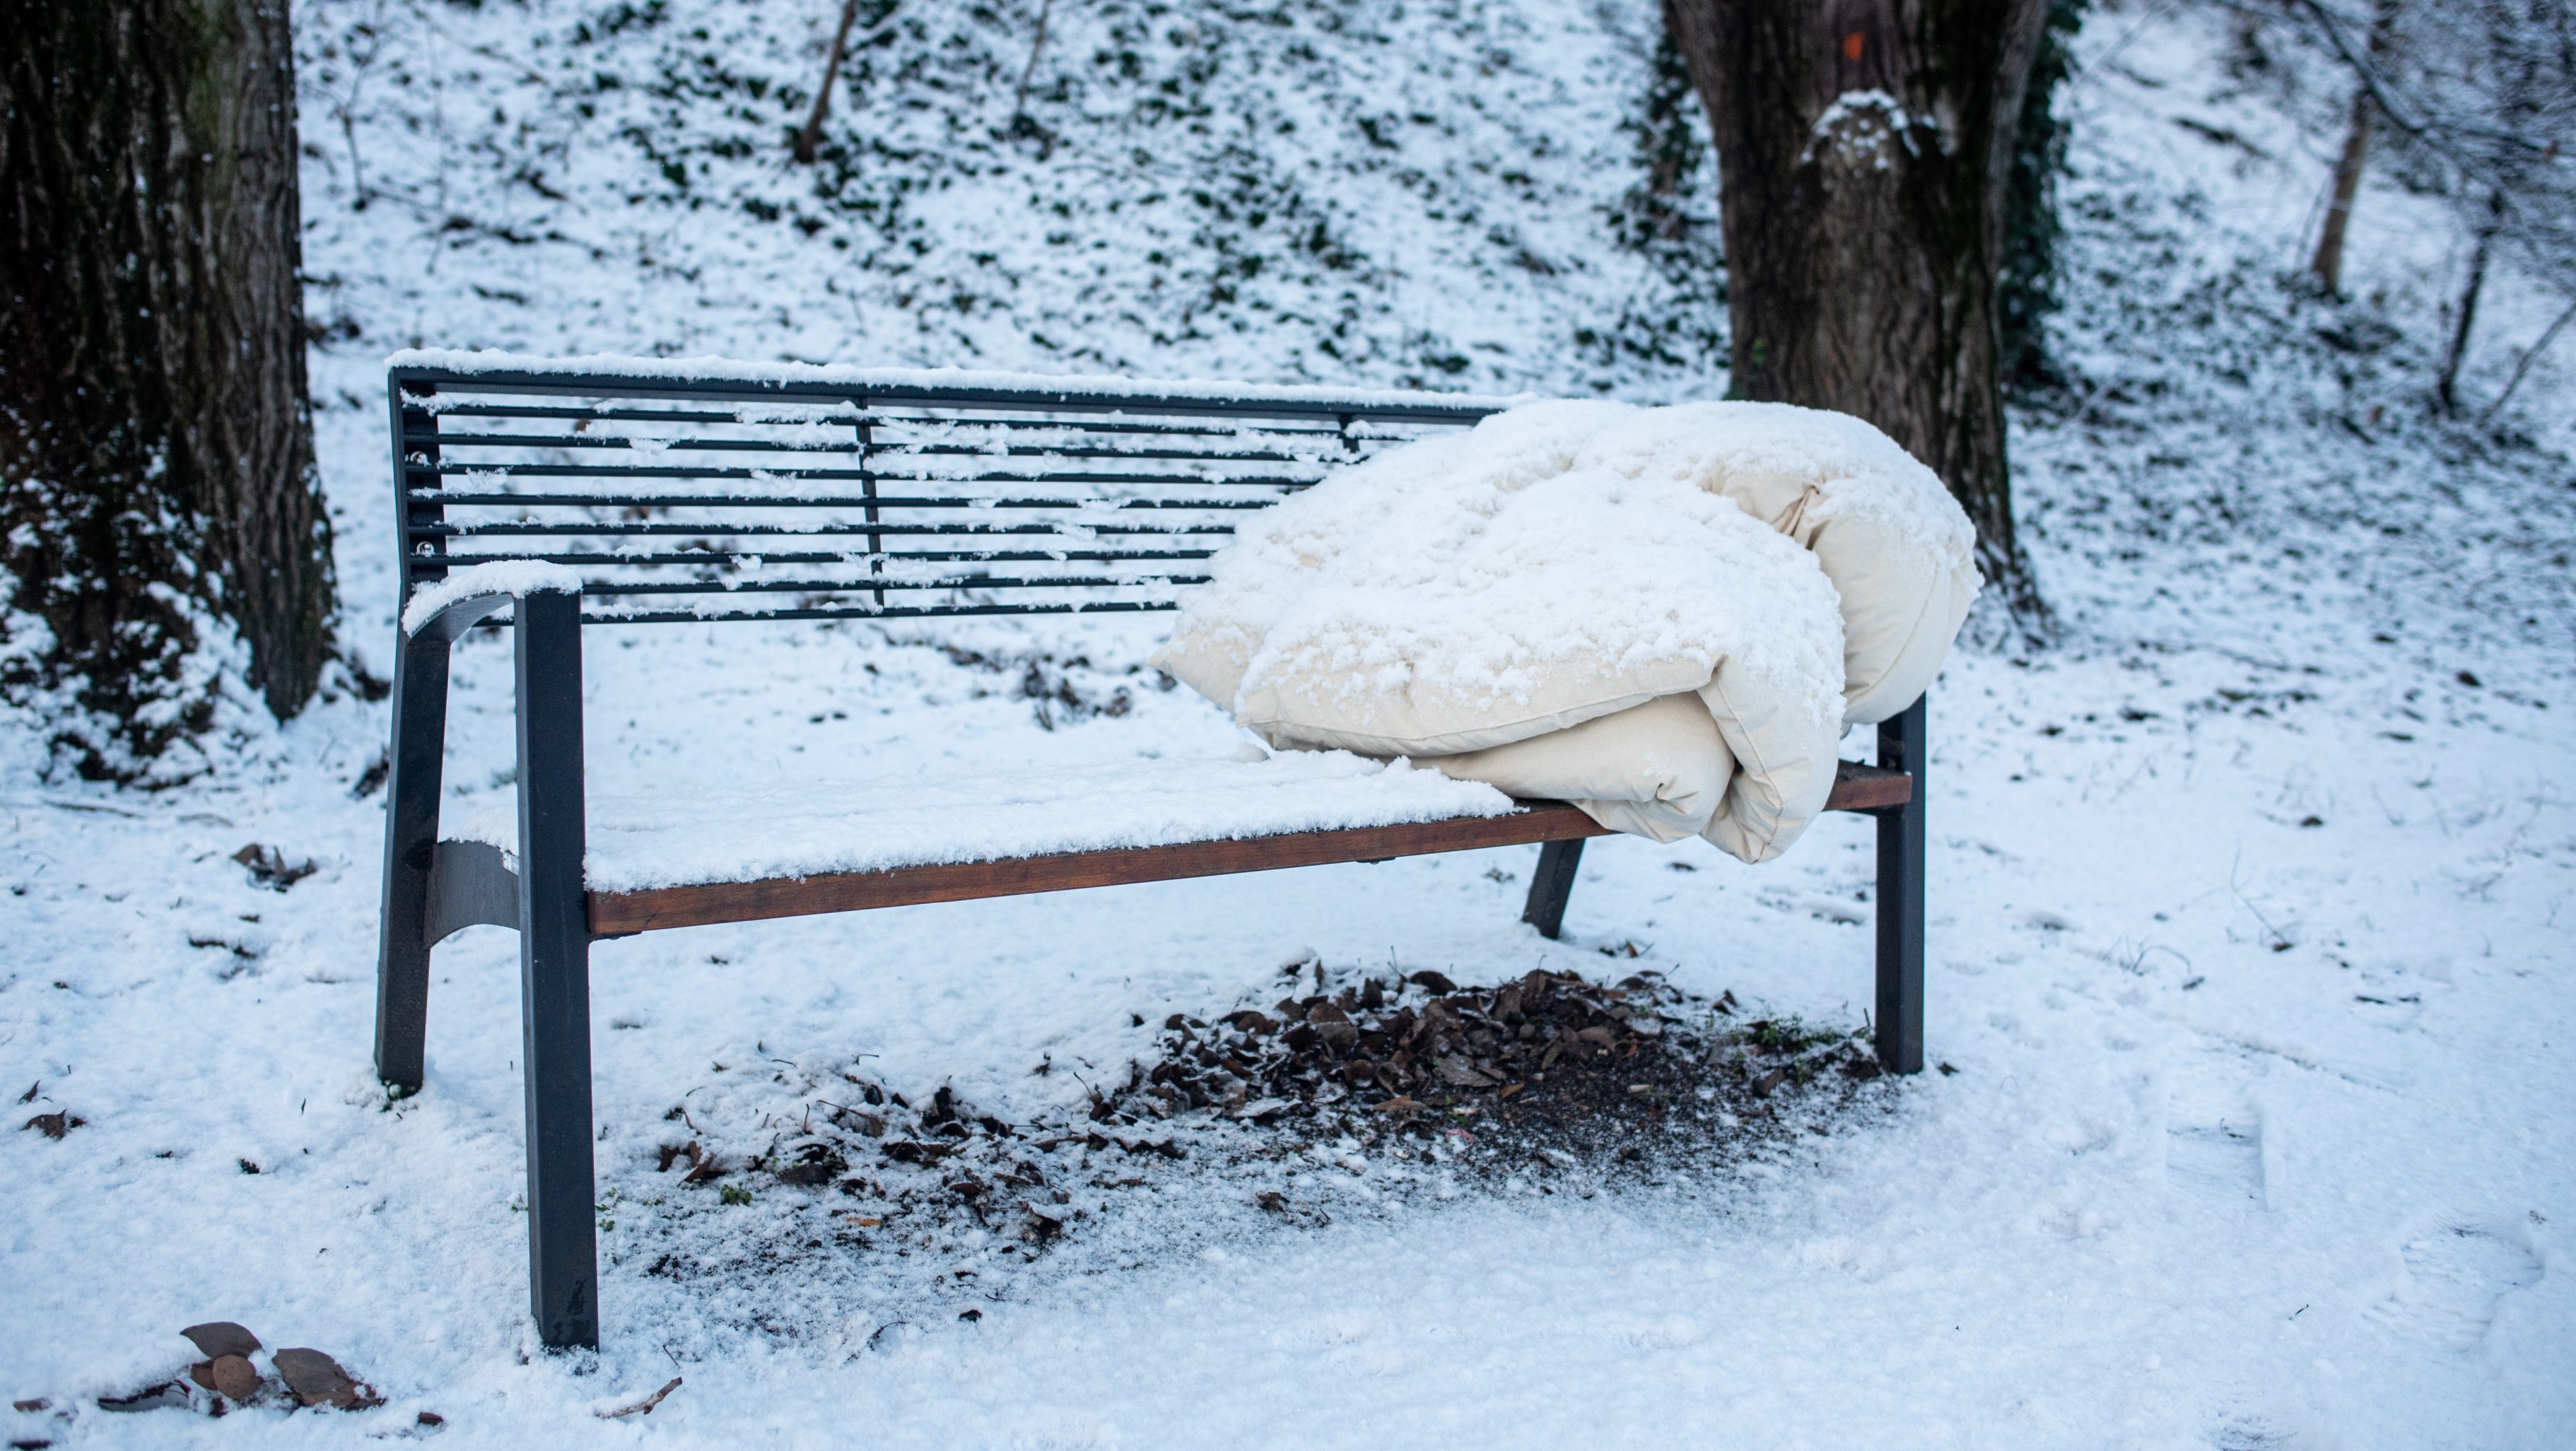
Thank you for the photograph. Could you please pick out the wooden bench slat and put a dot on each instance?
(618, 914)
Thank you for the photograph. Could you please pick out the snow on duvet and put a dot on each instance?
(1564, 564)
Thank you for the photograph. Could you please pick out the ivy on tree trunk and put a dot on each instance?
(2031, 229)
(156, 450)
(1865, 146)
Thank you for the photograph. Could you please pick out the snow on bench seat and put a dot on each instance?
(797, 829)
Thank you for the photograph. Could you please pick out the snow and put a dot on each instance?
(500, 577)
(842, 375)
(2260, 1133)
(680, 833)
(1854, 123)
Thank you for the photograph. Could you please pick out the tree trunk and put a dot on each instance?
(156, 448)
(1864, 146)
(811, 136)
(2446, 389)
(2328, 262)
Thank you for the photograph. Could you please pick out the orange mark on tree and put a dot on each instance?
(1851, 46)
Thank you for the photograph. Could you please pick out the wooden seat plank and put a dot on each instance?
(620, 914)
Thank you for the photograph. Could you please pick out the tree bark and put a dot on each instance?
(1864, 147)
(2446, 389)
(156, 451)
(2327, 264)
(811, 136)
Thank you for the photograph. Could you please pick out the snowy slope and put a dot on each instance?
(2251, 895)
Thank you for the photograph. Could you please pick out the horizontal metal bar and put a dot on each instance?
(878, 449)
(810, 475)
(446, 440)
(641, 529)
(1072, 399)
(835, 501)
(890, 612)
(613, 588)
(606, 558)
(876, 419)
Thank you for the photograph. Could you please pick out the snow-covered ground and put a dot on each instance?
(2253, 896)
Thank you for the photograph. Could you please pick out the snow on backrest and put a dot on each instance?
(697, 489)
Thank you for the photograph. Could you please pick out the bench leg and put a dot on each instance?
(1553, 884)
(414, 764)
(554, 976)
(1901, 746)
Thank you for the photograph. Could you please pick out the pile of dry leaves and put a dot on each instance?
(228, 1376)
(1557, 1060)
(1549, 1077)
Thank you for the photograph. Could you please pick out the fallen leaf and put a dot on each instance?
(1430, 981)
(53, 1125)
(150, 1398)
(815, 1164)
(230, 1376)
(1460, 1073)
(1042, 1225)
(270, 868)
(30, 1095)
(872, 1125)
(1763, 1085)
(218, 1338)
(317, 1380)
(1399, 1105)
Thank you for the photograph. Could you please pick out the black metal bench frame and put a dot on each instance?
(434, 887)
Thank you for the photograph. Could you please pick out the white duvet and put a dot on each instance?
(1664, 615)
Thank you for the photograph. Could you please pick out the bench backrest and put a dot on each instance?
(684, 491)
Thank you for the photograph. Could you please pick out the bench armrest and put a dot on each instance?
(447, 609)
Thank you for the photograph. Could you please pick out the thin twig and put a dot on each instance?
(2529, 356)
(1037, 47)
(643, 1407)
(2434, 130)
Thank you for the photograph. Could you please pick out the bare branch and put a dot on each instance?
(812, 136)
(2524, 366)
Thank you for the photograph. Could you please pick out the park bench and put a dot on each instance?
(621, 495)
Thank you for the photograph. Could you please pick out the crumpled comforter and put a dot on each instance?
(1664, 615)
